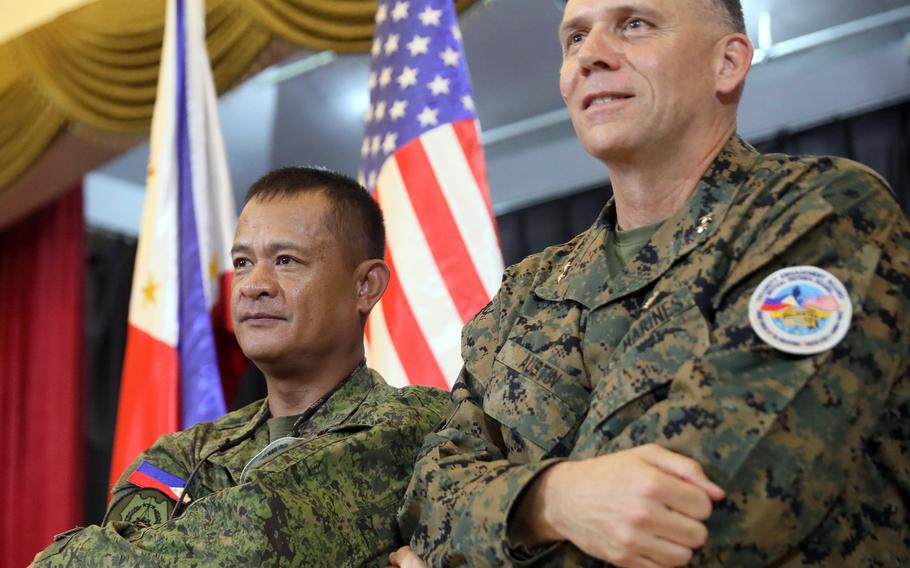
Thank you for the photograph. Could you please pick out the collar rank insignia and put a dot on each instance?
(801, 310)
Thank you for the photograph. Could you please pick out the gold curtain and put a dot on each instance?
(95, 69)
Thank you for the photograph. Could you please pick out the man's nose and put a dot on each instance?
(260, 282)
(601, 50)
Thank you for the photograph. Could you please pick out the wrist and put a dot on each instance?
(550, 501)
(536, 517)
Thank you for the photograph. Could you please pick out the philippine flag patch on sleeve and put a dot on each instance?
(147, 475)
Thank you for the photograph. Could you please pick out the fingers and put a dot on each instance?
(404, 557)
(681, 496)
(636, 549)
(653, 519)
(681, 530)
(661, 553)
(682, 467)
(397, 557)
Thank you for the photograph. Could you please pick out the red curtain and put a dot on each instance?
(42, 274)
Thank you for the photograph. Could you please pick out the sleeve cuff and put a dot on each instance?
(482, 529)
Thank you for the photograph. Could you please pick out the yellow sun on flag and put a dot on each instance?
(213, 268)
(150, 289)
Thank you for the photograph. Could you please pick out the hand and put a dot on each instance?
(638, 507)
(404, 557)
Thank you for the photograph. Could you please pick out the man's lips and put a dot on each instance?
(603, 98)
(259, 316)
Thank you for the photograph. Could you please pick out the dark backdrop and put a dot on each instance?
(879, 139)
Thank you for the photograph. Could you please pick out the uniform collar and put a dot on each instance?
(583, 276)
(340, 405)
(332, 413)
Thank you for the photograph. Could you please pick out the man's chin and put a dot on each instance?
(262, 355)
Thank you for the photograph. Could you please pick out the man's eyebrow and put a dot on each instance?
(271, 247)
(240, 247)
(621, 10)
(275, 246)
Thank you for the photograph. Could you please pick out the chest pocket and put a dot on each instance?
(667, 334)
(538, 401)
(286, 452)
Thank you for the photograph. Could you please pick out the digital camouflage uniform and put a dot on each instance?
(568, 363)
(327, 499)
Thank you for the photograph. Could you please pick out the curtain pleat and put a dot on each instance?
(96, 68)
(42, 274)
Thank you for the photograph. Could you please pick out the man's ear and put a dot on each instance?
(372, 279)
(734, 58)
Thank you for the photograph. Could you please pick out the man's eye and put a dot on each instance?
(635, 24)
(284, 259)
(574, 38)
(241, 263)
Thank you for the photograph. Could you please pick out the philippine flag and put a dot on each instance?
(147, 475)
(181, 277)
(775, 304)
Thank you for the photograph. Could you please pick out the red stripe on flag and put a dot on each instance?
(148, 404)
(140, 479)
(441, 231)
(468, 138)
(414, 352)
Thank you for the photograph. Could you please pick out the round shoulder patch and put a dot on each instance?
(144, 507)
(802, 310)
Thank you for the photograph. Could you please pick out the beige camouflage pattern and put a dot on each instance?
(567, 363)
(328, 499)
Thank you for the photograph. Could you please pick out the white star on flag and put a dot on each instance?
(365, 148)
(388, 145)
(385, 77)
(419, 45)
(379, 111)
(439, 86)
(429, 16)
(377, 145)
(468, 102)
(400, 11)
(369, 116)
(398, 109)
(391, 44)
(381, 13)
(428, 116)
(450, 57)
(456, 33)
(372, 81)
(408, 77)
(377, 46)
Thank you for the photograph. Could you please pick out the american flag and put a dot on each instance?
(423, 161)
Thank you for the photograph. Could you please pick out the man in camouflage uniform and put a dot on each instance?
(706, 312)
(313, 474)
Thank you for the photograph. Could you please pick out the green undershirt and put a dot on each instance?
(623, 246)
(281, 426)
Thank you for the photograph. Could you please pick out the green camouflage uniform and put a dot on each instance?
(327, 499)
(566, 363)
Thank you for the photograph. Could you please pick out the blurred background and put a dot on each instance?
(830, 77)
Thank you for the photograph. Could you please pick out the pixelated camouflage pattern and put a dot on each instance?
(567, 363)
(329, 499)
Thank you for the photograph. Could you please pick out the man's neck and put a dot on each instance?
(293, 392)
(653, 188)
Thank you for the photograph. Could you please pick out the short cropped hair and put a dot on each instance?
(356, 219)
(731, 11)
